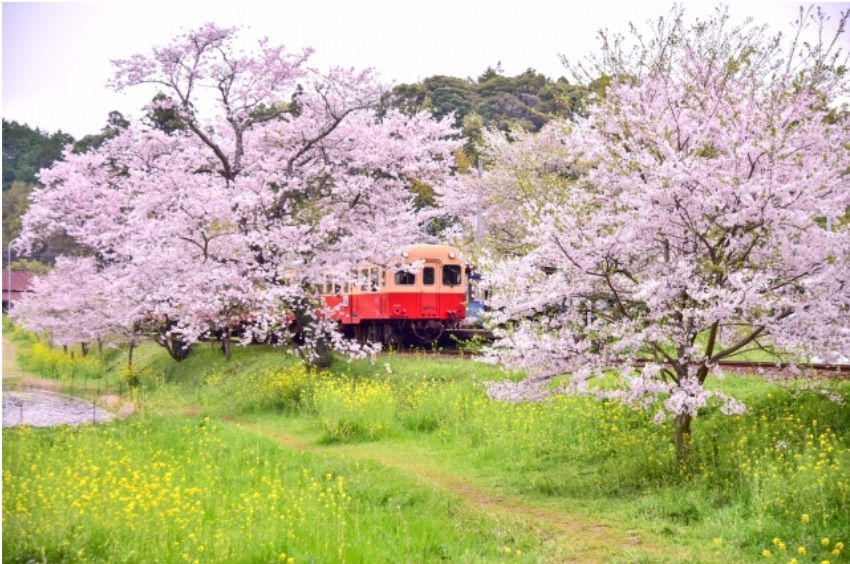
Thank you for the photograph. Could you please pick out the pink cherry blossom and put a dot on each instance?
(681, 222)
(281, 175)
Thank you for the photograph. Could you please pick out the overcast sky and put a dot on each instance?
(56, 57)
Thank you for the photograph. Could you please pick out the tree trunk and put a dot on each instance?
(130, 352)
(177, 348)
(226, 344)
(320, 354)
(323, 354)
(683, 437)
(84, 348)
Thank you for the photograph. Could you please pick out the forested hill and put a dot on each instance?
(493, 100)
(27, 150)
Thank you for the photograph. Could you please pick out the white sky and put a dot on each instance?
(56, 57)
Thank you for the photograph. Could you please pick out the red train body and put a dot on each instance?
(419, 298)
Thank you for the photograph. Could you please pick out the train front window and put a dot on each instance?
(428, 277)
(403, 278)
(452, 275)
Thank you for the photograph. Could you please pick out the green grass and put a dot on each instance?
(175, 489)
(778, 476)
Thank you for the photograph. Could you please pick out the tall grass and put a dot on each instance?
(175, 490)
(750, 478)
(777, 476)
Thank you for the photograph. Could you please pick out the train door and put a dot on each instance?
(429, 292)
(451, 279)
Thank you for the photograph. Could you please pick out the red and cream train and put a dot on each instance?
(421, 298)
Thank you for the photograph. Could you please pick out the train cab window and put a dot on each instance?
(428, 277)
(452, 275)
(403, 278)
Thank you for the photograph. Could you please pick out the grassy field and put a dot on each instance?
(258, 460)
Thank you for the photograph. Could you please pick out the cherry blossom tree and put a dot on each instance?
(278, 176)
(685, 221)
(70, 304)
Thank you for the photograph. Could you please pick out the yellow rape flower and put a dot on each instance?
(801, 551)
(824, 542)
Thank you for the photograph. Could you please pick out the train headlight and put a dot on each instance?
(405, 254)
(452, 254)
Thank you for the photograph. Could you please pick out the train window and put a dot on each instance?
(373, 279)
(428, 277)
(403, 278)
(452, 275)
(364, 280)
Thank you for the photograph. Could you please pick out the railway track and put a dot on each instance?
(840, 371)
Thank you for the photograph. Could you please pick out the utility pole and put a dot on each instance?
(9, 296)
(479, 214)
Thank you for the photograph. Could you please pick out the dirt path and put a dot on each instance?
(576, 540)
(10, 364)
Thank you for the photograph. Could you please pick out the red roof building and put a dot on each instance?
(21, 282)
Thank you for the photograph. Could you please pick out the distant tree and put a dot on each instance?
(491, 73)
(679, 224)
(70, 304)
(115, 124)
(163, 117)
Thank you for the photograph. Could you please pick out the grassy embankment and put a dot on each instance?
(430, 469)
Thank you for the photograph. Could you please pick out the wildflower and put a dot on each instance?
(766, 553)
(839, 545)
(804, 518)
(801, 551)
(824, 542)
(836, 552)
